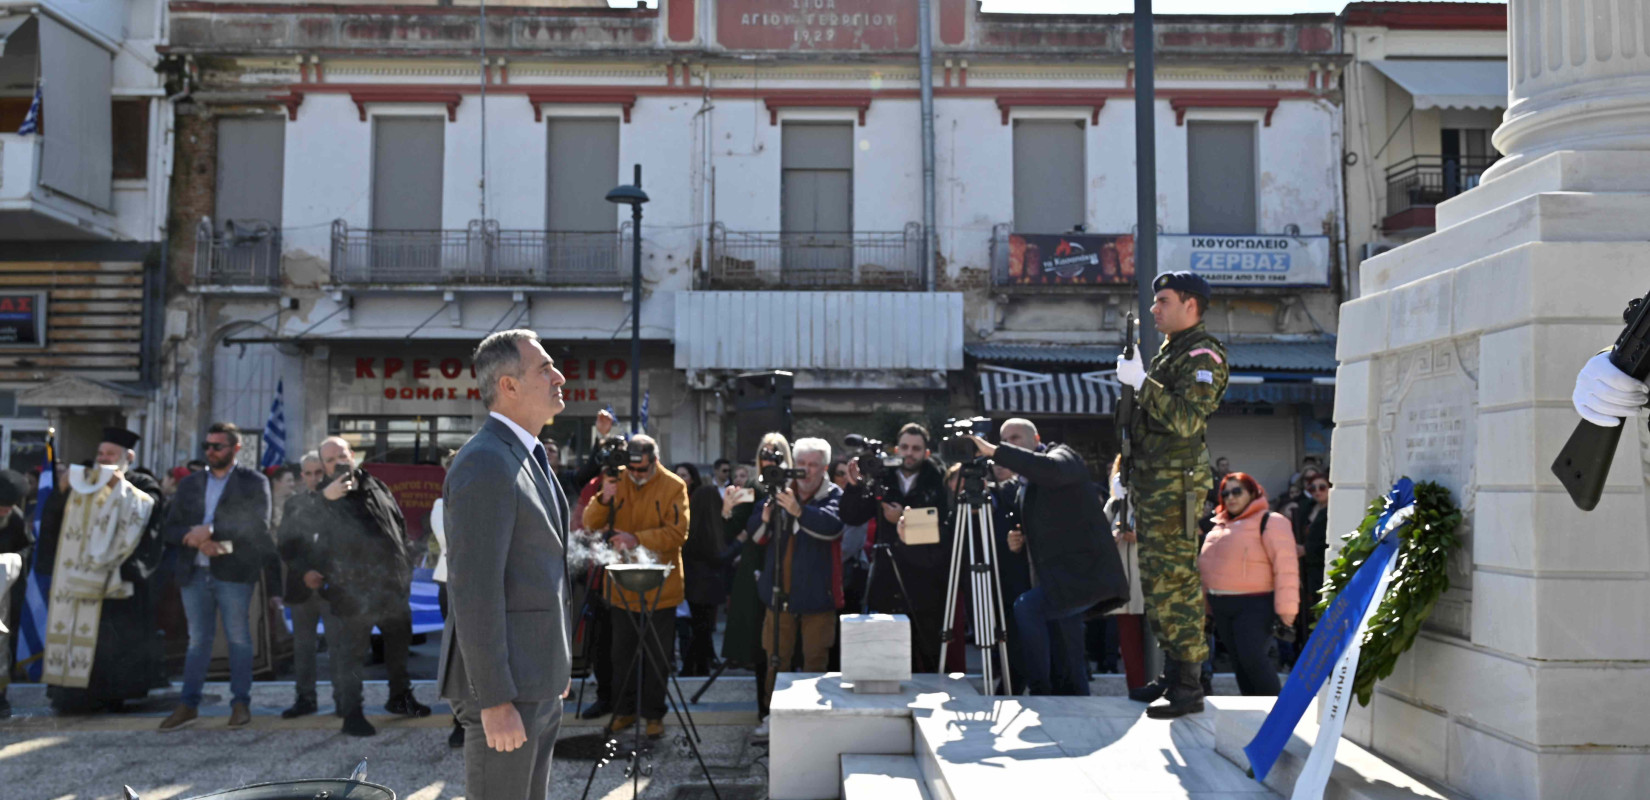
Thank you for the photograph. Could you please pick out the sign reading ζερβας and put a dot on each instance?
(1259, 261)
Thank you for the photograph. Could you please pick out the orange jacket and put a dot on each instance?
(1238, 559)
(656, 513)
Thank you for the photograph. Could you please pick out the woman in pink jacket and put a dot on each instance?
(1252, 577)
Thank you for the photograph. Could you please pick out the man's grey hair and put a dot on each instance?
(1017, 423)
(313, 455)
(648, 443)
(812, 445)
(499, 355)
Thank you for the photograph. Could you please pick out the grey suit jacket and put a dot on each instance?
(507, 635)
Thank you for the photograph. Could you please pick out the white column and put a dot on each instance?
(1579, 79)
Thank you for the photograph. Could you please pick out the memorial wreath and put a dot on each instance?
(1420, 576)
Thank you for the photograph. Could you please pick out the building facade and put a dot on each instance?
(1426, 88)
(368, 193)
(85, 157)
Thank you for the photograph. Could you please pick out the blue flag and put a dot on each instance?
(275, 430)
(31, 642)
(31, 120)
(1341, 624)
(645, 396)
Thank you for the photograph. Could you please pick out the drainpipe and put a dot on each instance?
(926, 75)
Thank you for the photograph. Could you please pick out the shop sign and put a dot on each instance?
(23, 319)
(1086, 259)
(816, 24)
(370, 383)
(1265, 261)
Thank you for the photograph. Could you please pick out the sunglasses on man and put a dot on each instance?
(213, 447)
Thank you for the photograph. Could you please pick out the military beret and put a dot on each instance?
(1182, 281)
(12, 488)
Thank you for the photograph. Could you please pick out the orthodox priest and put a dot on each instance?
(103, 546)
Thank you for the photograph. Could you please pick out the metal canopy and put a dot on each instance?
(1438, 83)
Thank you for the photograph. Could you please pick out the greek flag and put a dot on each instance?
(31, 643)
(31, 120)
(1332, 654)
(645, 396)
(275, 430)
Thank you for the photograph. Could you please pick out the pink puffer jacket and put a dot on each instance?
(1237, 559)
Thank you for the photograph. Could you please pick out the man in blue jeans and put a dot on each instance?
(1074, 564)
(218, 522)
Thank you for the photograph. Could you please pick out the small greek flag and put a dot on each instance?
(31, 120)
(275, 430)
(645, 396)
(31, 644)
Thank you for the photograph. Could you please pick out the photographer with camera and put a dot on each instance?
(1074, 565)
(607, 457)
(642, 506)
(883, 499)
(801, 580)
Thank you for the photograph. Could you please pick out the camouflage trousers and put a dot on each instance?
(1169, 505)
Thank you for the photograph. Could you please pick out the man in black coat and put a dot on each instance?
(367, 581)
(1074, 564)
(918, 483)
(218, 524)
(15, 539)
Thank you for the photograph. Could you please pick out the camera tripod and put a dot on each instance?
(886, 550)
(975, 539)
(647, 652)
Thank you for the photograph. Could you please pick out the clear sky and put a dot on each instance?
(1158, 6)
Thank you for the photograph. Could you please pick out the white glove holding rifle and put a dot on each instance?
(1604, 395)
(1131, 371)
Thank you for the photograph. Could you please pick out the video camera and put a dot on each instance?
(773, 475)
(874, 462)
(612, 453)
(958, 449)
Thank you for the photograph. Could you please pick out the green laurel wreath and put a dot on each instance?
(1420, 576)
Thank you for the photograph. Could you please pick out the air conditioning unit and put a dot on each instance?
(1373, 249)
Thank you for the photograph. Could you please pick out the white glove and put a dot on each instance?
(1118, 490)
(1131, 371)
(1604, 394)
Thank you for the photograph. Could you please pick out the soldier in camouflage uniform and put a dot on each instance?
(1170, 479)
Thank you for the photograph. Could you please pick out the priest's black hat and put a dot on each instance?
(120, 436)
(13, 486)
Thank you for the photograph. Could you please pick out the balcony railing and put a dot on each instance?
(1424, 181)
(244, 253)
(877, 259)
(482, 253)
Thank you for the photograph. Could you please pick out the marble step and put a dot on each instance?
(1545, 217)
(867, 777)
(1357, 775)
(1564, 171)
(1073, 748)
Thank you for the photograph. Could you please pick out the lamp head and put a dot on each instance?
(627, 195)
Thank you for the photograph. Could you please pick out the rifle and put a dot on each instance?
(1125, 419)
(1584, 463)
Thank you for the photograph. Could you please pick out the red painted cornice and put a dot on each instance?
(818, 99)
(449, 98)
(1185, 100)
(1429, 16)
(1092, 100)
(540, 95)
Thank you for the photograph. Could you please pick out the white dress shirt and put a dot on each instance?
(528, 440)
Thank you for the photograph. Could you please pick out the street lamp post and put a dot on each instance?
(633, 196)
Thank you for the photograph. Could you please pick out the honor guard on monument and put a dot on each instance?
(1169, 479)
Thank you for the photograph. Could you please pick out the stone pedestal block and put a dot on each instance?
(876, 652)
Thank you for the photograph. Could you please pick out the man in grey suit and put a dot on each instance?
(505, 655)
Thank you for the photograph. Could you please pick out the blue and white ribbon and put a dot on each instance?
(1332, 654)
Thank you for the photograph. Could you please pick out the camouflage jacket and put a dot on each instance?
(1184, 385)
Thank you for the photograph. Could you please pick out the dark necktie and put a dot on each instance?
(544, 463)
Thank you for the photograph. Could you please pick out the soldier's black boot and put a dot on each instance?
(1151, 691)
(1184, 697)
